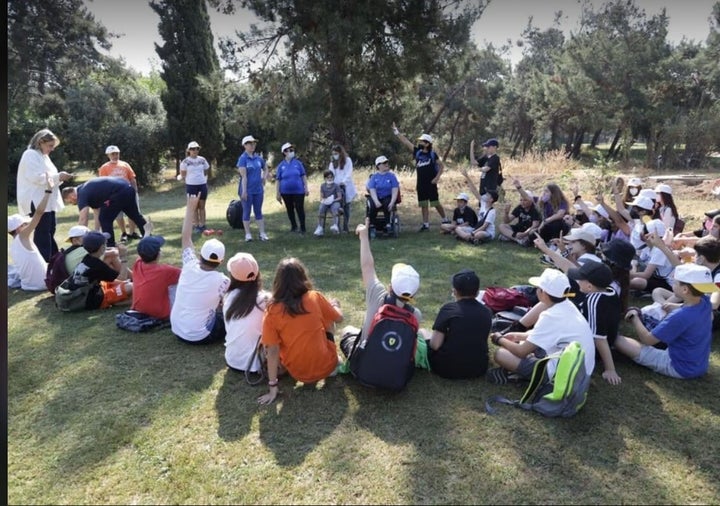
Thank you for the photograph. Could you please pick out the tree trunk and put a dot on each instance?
(596, 138)
(614, 144)
(452, 132)
(577, 145)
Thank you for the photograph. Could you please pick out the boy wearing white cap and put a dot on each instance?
(428, 168)
(75, 253)
(194, 169)
(686, 331)
(404, 284)
(557, 326)
(463, 216)
(196, 316)
(118, 168)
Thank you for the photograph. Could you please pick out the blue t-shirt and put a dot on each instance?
(290, 175)
(688, 333)
(254, 164)
(383, 183)
(425, 166)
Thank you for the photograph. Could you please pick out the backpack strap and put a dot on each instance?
(391, 298)
(260, 373)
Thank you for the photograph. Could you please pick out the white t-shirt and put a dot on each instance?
(242, 333)
(663, 267)
(195, 169)
(29, 264)
(490, 219)
(344, 176)
(557, 327)
(197, 297)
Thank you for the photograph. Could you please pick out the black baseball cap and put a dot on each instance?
(596, 273)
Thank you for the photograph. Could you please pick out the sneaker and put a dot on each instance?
(334, 229)
(319, 232)
(202, 228)
(497, 376)
(124, 238)
(424, 227)
(219, 232)
(208, 232)
(264, 237)
(248, 237)
(445, 221)
(135, 235)
(546, 260)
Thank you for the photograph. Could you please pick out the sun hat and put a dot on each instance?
(596, 273)
(618, 252)
(648, 193)
(77, 231)
(285, 146)
(426, 138)
(93, 241)
(112, 149)
(404, 280)
(578, 234)
(642, 202)
(15, 221)
(380, 159)
(243, 267)
(149, 246)
(466, 282)
(193, 144)
(248, 138)
(552, 281)
(462, 196)
(635, 181)
(663, 188)
(491, 142)
(213, 251)
(696, 275)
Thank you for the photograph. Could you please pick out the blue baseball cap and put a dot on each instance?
(149, 246)
(491, 142)
(93, 241)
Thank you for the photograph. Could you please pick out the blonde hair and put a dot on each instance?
(44, 135)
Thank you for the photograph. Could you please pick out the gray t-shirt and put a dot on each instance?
(374, 298)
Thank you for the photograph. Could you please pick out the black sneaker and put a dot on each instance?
(124, 238)
(423, 228)
(135, 235)
(497, 376)
(445, 221)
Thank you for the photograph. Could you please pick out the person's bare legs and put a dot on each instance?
(628, 346)
(201, 213)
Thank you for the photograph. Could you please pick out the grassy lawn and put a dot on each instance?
(98, 415)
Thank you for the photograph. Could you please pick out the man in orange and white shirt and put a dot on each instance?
(117, 168)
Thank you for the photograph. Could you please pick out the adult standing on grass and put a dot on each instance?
(251, 190)
(194, 169)
(28, 262)
(196, 315)
(292, 187)
(115, 167)
(341, 165)
(428, 169)
(33, 171)
(111, 195)
(296, 329)
(243, 309)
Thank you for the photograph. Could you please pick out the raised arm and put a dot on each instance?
(367, 262)
(470, 183)
(402, 138)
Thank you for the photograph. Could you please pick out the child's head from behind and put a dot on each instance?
(466, 283)
(291, 279)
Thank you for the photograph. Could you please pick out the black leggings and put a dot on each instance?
(552, 229)
(293, 204)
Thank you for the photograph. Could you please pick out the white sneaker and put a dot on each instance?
(248, 237)
(335, 229)
(319, 231)
(264, 237)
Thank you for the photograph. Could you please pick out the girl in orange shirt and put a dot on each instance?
(297, 328)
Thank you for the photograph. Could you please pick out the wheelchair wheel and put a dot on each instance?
(396, 226)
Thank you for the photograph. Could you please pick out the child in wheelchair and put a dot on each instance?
(383, 196)
(331, 196)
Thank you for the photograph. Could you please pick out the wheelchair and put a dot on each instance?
(382, 225)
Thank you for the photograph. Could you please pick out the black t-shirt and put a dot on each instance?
(466, 217)
(603, 311)
(89, 270)
(525, 217)
(464, 352)
(490, 180)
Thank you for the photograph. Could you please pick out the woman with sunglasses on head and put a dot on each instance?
(292, 187)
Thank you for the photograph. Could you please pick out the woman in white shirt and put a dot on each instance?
(341, 165)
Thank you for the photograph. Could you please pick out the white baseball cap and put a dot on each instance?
(601, 211)
(15, 221)
(578, 234)
(552, 281)
(213, 251)
(380, 159)
(648, 193)
(635, 181)
(77, 231)
(404, 280)
(696, 275)
(285, 146)
(112, 149)
(248, 138)
(426, 138)
(193, 144)
(462, 196)
(663, 188)
(594, 229)
(642, 202)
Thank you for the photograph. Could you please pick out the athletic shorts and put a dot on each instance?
(114, 292)
(197, 189)
(427, 193)
(657, 360)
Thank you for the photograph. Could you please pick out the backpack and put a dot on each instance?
(56, 271)
(384, 355)
(68, 299)
(679, 226)
(499, 298)
(234, 213)
(135, 321)
(562, 396)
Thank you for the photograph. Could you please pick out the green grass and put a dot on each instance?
(97, 415)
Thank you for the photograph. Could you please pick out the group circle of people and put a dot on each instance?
(596, 255)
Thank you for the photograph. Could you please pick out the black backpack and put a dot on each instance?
(234, 213)
(384, 355)
(56, 272)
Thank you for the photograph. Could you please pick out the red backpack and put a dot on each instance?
(56, 272)
(499, 298)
